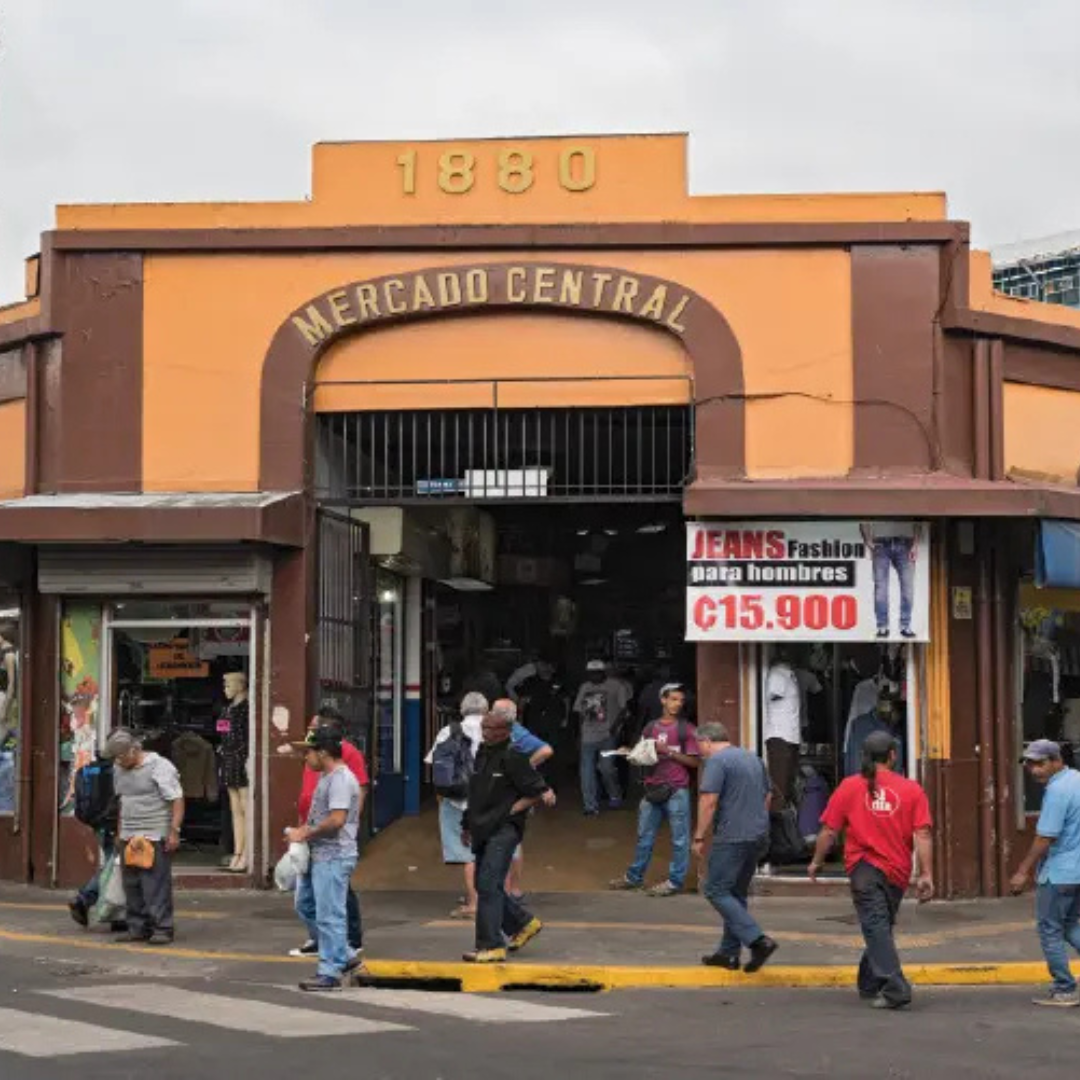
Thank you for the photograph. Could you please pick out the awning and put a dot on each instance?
(1057, 555)
(271, 517)
(916, 496)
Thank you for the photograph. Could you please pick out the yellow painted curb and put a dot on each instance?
(493, 977)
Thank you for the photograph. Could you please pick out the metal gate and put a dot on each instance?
(345, 611)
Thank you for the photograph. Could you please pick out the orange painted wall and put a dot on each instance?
(1042, 430)
(12, 449)
(209, 321)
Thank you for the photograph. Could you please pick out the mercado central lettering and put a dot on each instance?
(455, 288)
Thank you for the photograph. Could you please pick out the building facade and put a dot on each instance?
(300, 441)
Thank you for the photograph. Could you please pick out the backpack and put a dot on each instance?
(452, 764)
(786, 843)
(95, 800)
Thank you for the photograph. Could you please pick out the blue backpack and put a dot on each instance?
(452, 764)
(95, 800)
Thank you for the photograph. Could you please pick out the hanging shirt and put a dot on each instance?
(782, 712)
(857, 732)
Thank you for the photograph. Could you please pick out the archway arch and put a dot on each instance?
(470, 290)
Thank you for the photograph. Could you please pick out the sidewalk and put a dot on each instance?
(603, 940)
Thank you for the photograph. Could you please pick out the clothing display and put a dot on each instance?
(194, 758)
(233, 748)
(856, 734)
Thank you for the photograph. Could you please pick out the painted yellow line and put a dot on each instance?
(204, 915)
(487, 978)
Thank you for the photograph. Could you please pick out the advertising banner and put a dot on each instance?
(808, 581)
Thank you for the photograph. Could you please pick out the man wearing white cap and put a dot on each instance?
(600, 702)
(1055, 851)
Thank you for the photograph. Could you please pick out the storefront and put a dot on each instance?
(456, 411)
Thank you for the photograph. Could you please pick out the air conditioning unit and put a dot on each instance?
(507, 483)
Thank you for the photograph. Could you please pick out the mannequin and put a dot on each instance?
(232, 757)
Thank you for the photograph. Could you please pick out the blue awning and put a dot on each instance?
(1057, 555)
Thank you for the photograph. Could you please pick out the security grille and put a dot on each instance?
(455, 455)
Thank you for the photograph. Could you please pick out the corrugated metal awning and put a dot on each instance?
(273, 517)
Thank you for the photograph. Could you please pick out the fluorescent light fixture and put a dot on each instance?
(594, 581)
(466, 584)
(611, 532)
(655, 527)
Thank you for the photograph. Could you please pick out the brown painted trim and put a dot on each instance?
(997, 410)
(281, 523)
(482, 237)
(925, 496)
(1032, 331)
(1043, 367)
(14, 334)
(33, 403)
(981, 393)
(288, 369)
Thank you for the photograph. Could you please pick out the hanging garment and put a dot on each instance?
(815, 797)
(193, 757)
(233, 748)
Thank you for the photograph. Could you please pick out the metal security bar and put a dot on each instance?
(469, 455)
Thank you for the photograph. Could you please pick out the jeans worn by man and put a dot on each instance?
(592, 759)
(499, 915)
(877, 903)
(676, 811)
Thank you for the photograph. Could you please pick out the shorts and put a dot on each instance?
(453, 850)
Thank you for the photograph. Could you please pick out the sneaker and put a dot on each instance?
(591, 812)
(880, 1001)
(309, 948)
(907, 634)
(665, 888)
(721, 960)
(1059, 999)
(760, 952)
(79, 911)
(882, 634)
(614, 804)
(320, 982)
(118, 926)
(485, 956)
(159, 937)
(624, 884)
(134, 936)
(525, 935)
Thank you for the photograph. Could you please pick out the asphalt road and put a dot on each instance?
(252, 1023)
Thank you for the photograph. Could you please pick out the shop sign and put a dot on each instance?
(176, 661)
(808, 581)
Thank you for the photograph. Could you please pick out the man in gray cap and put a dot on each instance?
(1055, 851)
(151, 813)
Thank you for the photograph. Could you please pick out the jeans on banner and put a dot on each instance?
(893, 553)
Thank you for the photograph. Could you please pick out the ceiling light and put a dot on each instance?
(654, 527)
(583, 532)
(593, 581)
(611, 532)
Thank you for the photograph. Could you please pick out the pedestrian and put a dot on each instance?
(457, 739)
(502, 790)
(330, 833)
(882, 814)
(667, 796)
(1055, 856)
(97, 807)
(599, 706)
(733, 820)
(327, 716)
(151, 813)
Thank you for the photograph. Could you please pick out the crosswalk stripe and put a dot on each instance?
(478, 1008)
(34, 1035)
(236, 1014)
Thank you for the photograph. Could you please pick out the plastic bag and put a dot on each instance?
(112, 903)
(291, 866)
(644, 753)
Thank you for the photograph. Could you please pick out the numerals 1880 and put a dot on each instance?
(513, 170)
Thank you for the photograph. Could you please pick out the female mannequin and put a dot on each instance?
(232, 756)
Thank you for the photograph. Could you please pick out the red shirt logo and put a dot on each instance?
(884, 803)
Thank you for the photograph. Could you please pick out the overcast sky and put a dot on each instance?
(115, 100)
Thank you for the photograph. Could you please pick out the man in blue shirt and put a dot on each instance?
(1056, 853)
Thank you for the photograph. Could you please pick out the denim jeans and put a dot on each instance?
(895, 553)
(877, 902)
(90, 892)
(590, 762)
(677, 812)
(321, 901)
(149, 894)
(1057, 909)
(497, 913)
(727, 888)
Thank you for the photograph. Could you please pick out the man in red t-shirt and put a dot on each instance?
(354, 760)
(883, 813)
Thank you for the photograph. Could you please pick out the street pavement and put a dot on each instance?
(60, 1020)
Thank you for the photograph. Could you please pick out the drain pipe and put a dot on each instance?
(985, 717)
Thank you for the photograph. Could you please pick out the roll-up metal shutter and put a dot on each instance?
(149, 571)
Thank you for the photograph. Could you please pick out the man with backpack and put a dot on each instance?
(667, 795)
(451, 759)
(96, 807)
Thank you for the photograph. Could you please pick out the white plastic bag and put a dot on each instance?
(111, 905)
(644, 753)
(291, 866)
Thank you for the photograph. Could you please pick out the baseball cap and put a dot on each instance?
(667, 688)
(323, 737)
(1043, 750)
(596, 665)
(878, 742)
(120, 742)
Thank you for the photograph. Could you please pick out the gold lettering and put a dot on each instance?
(367, 302)
(449, 290)
(600, 283)
(339, 305)
(676, 311)
(315, 330)
(570, 293)
(422, 294)
(625, 292)
(390, 287)
(654, 306)
(515, 293)
(543, 282)
(476, 286)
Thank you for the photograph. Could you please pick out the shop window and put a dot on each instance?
(80, 689)
(158, 610)
(10, 717)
